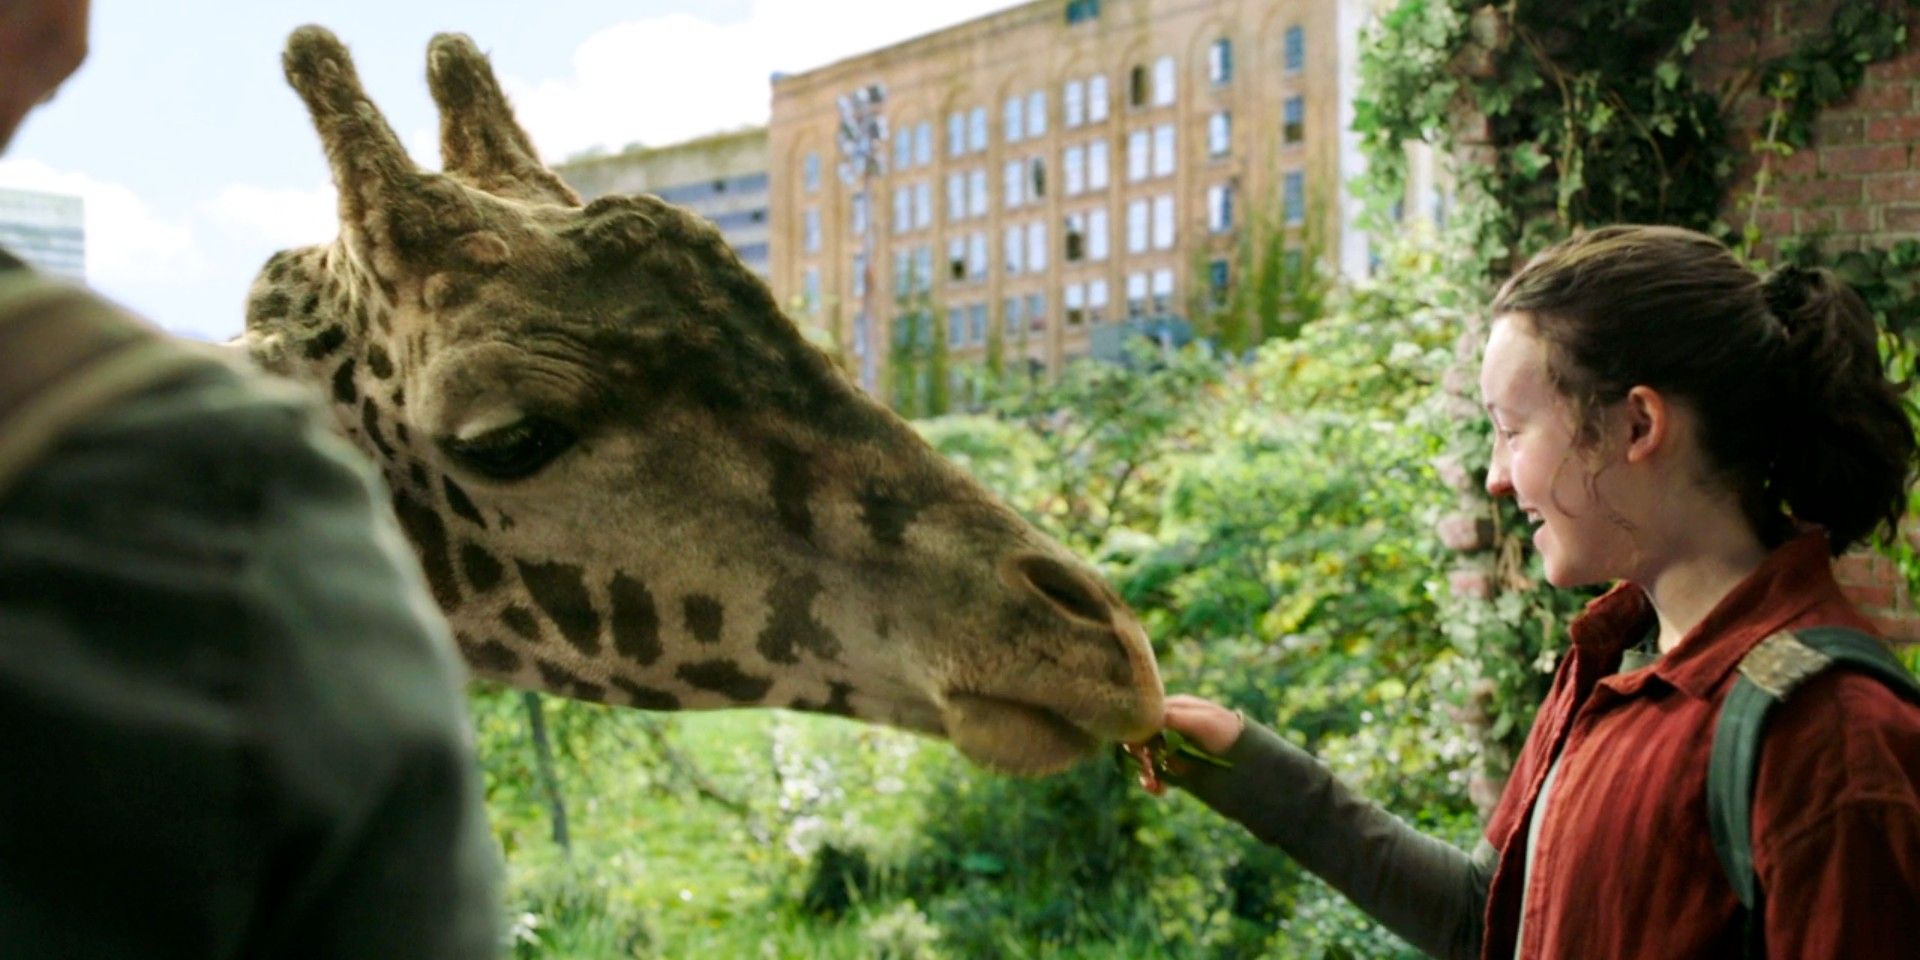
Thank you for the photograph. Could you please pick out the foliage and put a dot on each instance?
(1829, 66)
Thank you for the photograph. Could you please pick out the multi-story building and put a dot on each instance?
(1058, 166)
(722, 177)
(47, 230)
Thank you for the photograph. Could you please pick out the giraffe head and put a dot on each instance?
(630, 479)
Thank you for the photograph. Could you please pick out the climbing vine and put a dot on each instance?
(1567, 114)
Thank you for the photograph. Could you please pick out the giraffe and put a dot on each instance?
(629, 478)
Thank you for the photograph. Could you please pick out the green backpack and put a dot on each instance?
(1769, 673)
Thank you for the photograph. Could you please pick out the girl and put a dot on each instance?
(1665, 419)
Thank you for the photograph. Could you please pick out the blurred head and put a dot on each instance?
(41, 43)
(1767, 393)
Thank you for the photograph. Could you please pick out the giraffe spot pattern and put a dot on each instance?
(520, 620)
(791, 627)
(646, 698)
(419, 475)
(560, 680)
(792, 487)
(704, 617)
(561, 590)
(725, 678)
(370, 421)
(429, 536)
(310, 304)
(462, 504)
(344, 391)
(886, 515)
(839, 701)
(636, 622)
(489, 656)
(378, 363)
(270, 306)
(482, 570)
(326, 342)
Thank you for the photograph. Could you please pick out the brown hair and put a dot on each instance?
(1797, 414)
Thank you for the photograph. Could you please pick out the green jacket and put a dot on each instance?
(232, 719)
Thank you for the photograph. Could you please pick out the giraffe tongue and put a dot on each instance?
(1013, 737)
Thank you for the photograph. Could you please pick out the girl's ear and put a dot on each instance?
(1649, 421)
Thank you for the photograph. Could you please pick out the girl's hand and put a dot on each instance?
(1210, 726)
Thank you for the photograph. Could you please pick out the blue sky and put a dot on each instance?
(197, 161)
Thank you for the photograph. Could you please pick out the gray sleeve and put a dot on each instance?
(1426, 891)
(237, 725)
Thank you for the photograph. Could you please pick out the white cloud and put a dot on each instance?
(671, 78)
(127, 242)
(281, 217)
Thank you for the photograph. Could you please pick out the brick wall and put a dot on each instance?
(1856, 186)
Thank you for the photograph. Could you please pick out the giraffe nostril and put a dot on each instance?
(1065, 589)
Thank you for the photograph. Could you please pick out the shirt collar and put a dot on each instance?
(1793, 578)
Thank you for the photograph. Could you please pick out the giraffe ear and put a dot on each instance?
(480, 142)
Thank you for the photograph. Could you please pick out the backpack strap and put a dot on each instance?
(66, 353)
(1768, 674)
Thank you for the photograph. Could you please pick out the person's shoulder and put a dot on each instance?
(1841, 737)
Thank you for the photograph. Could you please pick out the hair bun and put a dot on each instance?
(1791, 290)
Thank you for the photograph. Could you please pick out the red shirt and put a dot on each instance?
(1625, 866)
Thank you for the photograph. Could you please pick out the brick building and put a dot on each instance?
(1856, 186)
(722, 177)
(1060, 166)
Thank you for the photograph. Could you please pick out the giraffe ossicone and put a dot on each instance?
(630, 479)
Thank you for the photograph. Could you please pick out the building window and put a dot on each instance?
(1012, 316)
(1163, 223)
(1073, 303)
(1037, 247)
(810, 291)
(1096, 301)
(1074, 238)
(1220, 208)
(956, 258)
(902, 209)
(903, 151)
(1296, 49)
(1220, 134)
(1137, 226)
(922, 205)
(1137, 86)
(858, 221)
(1217, 280)
(859, 276)
(1096, 98)
(1163, 150)
(1097, 165)
(1293, 130)
(977, 192)
(1296, 197)
(923, 267)
(902, 274)
(1163, 82)
(977, 256)
(1013, 179)
(956, 134)
(956, 327)
(810, 172)
(1073, 166)
(977, 323)
(1220, 62)
(810, 230)
(1013, 248)
(1162, 291)
(1081, 11)
(1097, 234)
(923, 144)
(1136, 295)
(1038, 167)
(977, 129)
(1037, 113)
(956, 196)
(1013, 120)
(1073, 104)
(1037, 311)
(1139, 146)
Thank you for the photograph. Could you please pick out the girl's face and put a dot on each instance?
(1536, 461)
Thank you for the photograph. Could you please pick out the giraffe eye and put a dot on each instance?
(516, 450)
